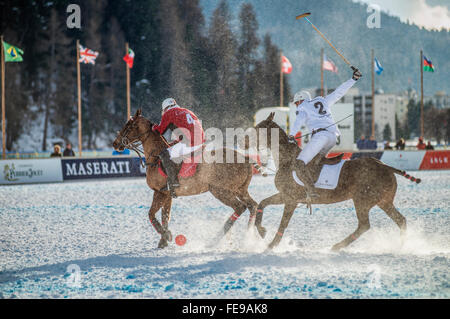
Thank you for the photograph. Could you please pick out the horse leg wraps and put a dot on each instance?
(158, 227)
(231, 221)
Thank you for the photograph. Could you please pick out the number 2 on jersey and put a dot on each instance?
(319, 105)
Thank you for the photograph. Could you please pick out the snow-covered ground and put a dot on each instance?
(94, 240)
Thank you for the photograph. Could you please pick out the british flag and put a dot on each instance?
(87, 55)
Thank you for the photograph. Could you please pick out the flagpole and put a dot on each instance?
(421, 94)
(373, 94)
(79, 98)
(321, 72)
(3, 100)
(281, 78)
(128, 85)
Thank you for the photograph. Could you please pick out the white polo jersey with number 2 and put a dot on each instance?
(316, 113)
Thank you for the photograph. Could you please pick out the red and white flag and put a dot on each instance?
(329, 65)
(87, 55)
(286, 66)
(129, 58)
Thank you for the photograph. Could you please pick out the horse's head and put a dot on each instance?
(264, 132)
(135, 131)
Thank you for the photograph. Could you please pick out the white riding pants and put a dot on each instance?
(321, 142)
(180, 150)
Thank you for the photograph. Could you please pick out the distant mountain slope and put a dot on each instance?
(397, 45)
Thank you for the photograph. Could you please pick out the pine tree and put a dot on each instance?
(387, 132)
(247, 59)
(223, 49)
(176, 60)
(57, 95)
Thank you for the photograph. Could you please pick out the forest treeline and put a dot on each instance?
(223, 72)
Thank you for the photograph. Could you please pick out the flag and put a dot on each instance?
(12, 53)
(129, 58)
(377, 67)
(286, 66)
(329, 65)
(87, 55)
(427, 65)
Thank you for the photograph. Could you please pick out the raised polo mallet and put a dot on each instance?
(305, 15)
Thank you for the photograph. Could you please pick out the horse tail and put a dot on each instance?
(398, 171)
(405, 175)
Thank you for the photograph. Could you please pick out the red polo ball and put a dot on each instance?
(180, 240)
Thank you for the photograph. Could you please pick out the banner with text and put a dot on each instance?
(101, 168)
(30, 171)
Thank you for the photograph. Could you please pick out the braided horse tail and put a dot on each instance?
(400, 172)
(404, 174)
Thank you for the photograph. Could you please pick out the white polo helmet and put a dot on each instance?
(168, 102)
(302, 95)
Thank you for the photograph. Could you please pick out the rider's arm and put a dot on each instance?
(166, 120)
(337, 94)
(299, 121)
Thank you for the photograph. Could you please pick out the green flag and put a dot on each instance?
(12, 54)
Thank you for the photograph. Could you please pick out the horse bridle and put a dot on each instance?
(136, 141)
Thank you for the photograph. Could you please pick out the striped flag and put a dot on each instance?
(427, 65)
(329, 65)
(377, 67)
(87, 56)
(286, 66)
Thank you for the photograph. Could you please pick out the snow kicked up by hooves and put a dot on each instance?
(94, 240)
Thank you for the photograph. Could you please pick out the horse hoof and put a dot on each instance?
(262, 231)
(162, 244)
(168, 236)
(336, 248)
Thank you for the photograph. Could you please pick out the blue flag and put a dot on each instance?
(377, 67)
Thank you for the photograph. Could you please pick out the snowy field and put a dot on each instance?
(94, 240)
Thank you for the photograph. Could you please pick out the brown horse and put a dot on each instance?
(228, 182)
(367, 181)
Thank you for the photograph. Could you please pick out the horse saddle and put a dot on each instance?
(324, 171)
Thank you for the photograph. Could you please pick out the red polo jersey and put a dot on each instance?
(185, 120)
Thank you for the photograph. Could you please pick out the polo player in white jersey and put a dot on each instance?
(316, 114)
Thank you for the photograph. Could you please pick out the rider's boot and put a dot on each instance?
(305, 175)
(171, 170)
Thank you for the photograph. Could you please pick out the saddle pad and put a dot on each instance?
(186, 170)
(329, 176)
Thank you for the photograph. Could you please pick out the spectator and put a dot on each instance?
(372, 143)
(68, 151)
(400, 144)
(429, 146)
(361, 143)
(56, 151)
(421, 145)
(387, 146)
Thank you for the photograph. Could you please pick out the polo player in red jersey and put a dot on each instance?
(179, 120)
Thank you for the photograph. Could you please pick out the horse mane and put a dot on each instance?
(290, 149)
(149, 125)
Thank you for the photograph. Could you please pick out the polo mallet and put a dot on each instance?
(305, 15)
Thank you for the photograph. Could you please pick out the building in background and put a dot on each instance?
(385, 110)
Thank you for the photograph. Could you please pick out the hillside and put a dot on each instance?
(397, 45)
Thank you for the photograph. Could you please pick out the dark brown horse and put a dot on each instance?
(367, 181)
(228, 182)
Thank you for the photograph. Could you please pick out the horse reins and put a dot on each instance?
(125, 140)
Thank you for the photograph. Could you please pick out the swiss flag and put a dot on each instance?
(286, 66)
